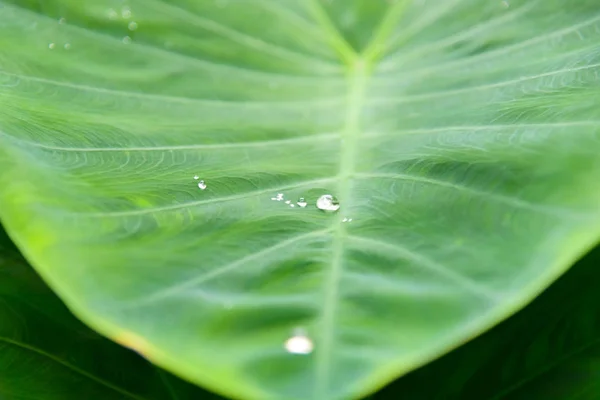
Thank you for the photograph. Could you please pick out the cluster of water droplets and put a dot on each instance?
(54, 45)
(300, 203)
(326, 202)
(124, 14)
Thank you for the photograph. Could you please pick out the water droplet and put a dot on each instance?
(126, 12)
(132, 26)
(302, 202)
(279, 196)
(287, 202)
(62, 20)
(126, 40)
(328, 203)
(347, 220)
(291, 205)
(202, 185)
(505, 4)
(112, 14)
(67, 46)
(51, 46)
(274, 198)
(196, 177)
(299, 344)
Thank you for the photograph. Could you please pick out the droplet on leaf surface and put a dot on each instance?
(302, 202)
(202, 185)
(328, 203)
(299, 344)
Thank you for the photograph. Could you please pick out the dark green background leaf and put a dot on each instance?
(47, 354)
(550, 350)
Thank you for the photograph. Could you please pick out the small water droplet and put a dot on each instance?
(126, 40)
(299, 344)
(112, 14)
(274, 198)
(291, 205)
(132, 26)
(196, 177)
(67, 46)
(279, 196)
(328, 203)
(302, 202)
(347, 220)
(202, 185)
(62, 20)
(51, 46)
(126, 12)
(287, 202)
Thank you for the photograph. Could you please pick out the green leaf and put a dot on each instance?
(460, 136)
(45, 353)
(549, 350)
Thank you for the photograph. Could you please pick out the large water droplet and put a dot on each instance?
(132, 26)
(202, 185)
(302, 202)
(299, 344)
(328, 203)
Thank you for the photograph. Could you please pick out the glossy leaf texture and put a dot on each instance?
(46, 353)
(460, 137)
(549, 350)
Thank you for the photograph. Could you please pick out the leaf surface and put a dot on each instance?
(461, 138)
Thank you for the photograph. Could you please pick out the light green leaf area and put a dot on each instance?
(461, 137)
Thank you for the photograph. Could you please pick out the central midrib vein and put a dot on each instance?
(358, 76)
